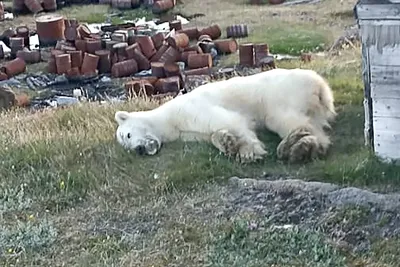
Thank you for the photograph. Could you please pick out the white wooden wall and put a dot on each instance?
(381, 41)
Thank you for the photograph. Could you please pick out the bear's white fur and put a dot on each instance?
(297, 104)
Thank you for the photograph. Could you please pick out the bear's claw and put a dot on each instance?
(250, 152)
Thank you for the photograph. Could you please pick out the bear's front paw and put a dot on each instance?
(226, 142)
(250, 152)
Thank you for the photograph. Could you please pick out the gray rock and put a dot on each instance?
(360, 197)
(194, 81)
(291, 184)
(346, 215)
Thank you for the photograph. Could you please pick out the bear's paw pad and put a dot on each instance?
(284, 147)
(306, 149)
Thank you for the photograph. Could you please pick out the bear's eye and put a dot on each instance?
(128, 135)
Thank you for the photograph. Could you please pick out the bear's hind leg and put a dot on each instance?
(300, 145)
(301, 141)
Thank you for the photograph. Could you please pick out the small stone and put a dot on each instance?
(7, 98)
(194, 81)
(294, 218)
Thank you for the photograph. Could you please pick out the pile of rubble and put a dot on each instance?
(157, 6)
(33, 6)
(158, 57)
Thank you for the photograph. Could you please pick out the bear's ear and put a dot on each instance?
(121, 116)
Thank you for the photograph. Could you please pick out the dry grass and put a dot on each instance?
(94, 13)
(71, 196)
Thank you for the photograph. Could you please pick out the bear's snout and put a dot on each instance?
(152, 147)
(140, 150)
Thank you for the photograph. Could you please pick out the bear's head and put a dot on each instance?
(135, 132)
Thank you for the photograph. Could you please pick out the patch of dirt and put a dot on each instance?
(350, 216)
(156, 228)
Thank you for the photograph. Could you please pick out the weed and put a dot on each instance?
(32, 234)
(242, 246)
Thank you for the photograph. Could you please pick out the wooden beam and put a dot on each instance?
(366, 74)
(383, 75)
(386, 107)
(387, 145)
(388, 56)
(384, 124)
(383, 11)
(385, 91)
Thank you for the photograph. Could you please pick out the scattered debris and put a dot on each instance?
(350, 37)
(135, 58)
(38, 6)
(306, 57)
(284, 2)
(258, 55)
(298, 2)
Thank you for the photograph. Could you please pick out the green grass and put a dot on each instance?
(70, 195)
(386, 251)
(86, 14)
(98, 13)
(241, 246)
(85, 163)
(60, 160)
(120, 16)
(289, 38)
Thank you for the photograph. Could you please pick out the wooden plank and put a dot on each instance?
(384, 75)
(383, 11)
(379, 22)
(388, 56)
(387, 145)
(386, 107)
(366, 74)
(385, 91)
(384, 124)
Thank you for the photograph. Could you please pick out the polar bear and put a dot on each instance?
(297, 104)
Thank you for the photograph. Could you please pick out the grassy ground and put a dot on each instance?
(70, 196)
(93, 13)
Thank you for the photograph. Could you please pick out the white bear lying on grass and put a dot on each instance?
(296, 104)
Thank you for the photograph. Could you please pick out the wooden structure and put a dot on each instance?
(379, 23)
